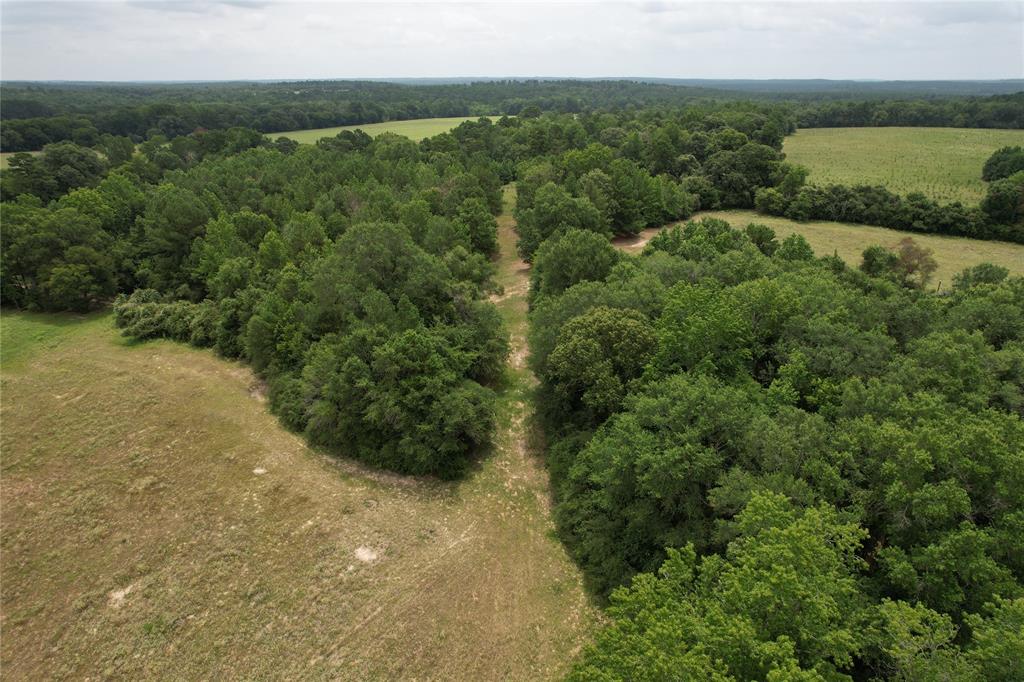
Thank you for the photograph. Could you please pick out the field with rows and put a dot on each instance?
(943, 163)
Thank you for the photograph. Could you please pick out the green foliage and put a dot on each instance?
(1004, 202)
(480, 225)
(568, 258)
(783, 603)
(795, 248)
(1003, 163)
(554, 209)
(597, 356)
(844, 392)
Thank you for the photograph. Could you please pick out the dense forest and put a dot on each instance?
(37, 114)
(796, 465)
(770, 465)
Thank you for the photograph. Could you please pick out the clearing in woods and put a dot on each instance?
(415, 129)
(159, 522)
(942, 163)
(849, 240)
(5, 158)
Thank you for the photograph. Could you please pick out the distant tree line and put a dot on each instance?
(37, 114)
(997, 111)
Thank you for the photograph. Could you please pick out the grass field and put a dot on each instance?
(943, 163)
(953, 254)
(5, 158)
(416, 129)
(160, 524)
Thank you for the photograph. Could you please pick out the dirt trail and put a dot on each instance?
(168, 527)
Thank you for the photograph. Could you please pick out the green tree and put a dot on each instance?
(782, 603)
(570, 257)
(597, 357)
(480, 224)
(1004, 201)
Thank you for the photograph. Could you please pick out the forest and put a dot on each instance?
(769, 464)
(37, 114)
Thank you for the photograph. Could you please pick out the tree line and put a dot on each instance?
(37, 114)
(999, 216)
(603, 173)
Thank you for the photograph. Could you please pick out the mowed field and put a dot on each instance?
(415, 129)
(943, 163)
(952, 254)
(160, 524)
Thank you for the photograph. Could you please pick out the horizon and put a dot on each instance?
(482, 79)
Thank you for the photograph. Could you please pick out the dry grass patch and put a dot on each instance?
(849, 240)
(416, 129)
(159, 523)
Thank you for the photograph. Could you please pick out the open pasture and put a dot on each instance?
(159, 523)
(415, 129)
(942, 163)
(5, 158)
(952, 254)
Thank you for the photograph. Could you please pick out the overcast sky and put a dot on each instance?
(240, 39)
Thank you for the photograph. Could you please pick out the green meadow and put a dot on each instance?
(943, 163)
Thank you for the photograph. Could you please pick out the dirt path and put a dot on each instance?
(159, 523)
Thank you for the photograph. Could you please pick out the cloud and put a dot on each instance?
(233, 39)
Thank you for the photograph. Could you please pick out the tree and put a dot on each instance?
(983, 273)
(480, 224)
(641, 483)
(703, 329)
(1004, 201)
(908, 264)
(763, 238)
(878, 261)
(915, 264)
(597, 357)
(571, 257)
(1003, 163)
(795, 248)
(997, 641)
(116, 149)
(173, 218)
(782, 603)
(555, 209)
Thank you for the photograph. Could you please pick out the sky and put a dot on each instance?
(284, 39)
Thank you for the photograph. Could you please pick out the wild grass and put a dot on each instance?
(159, 523)
(848, 240)
(416, 129)
(943, 163)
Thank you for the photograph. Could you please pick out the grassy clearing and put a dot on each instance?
(159, 523)
(953, 254)
(5, 158)
(416, 129)
(943, 163)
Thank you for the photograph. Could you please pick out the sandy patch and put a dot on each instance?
(115, 599)
(366, 554)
